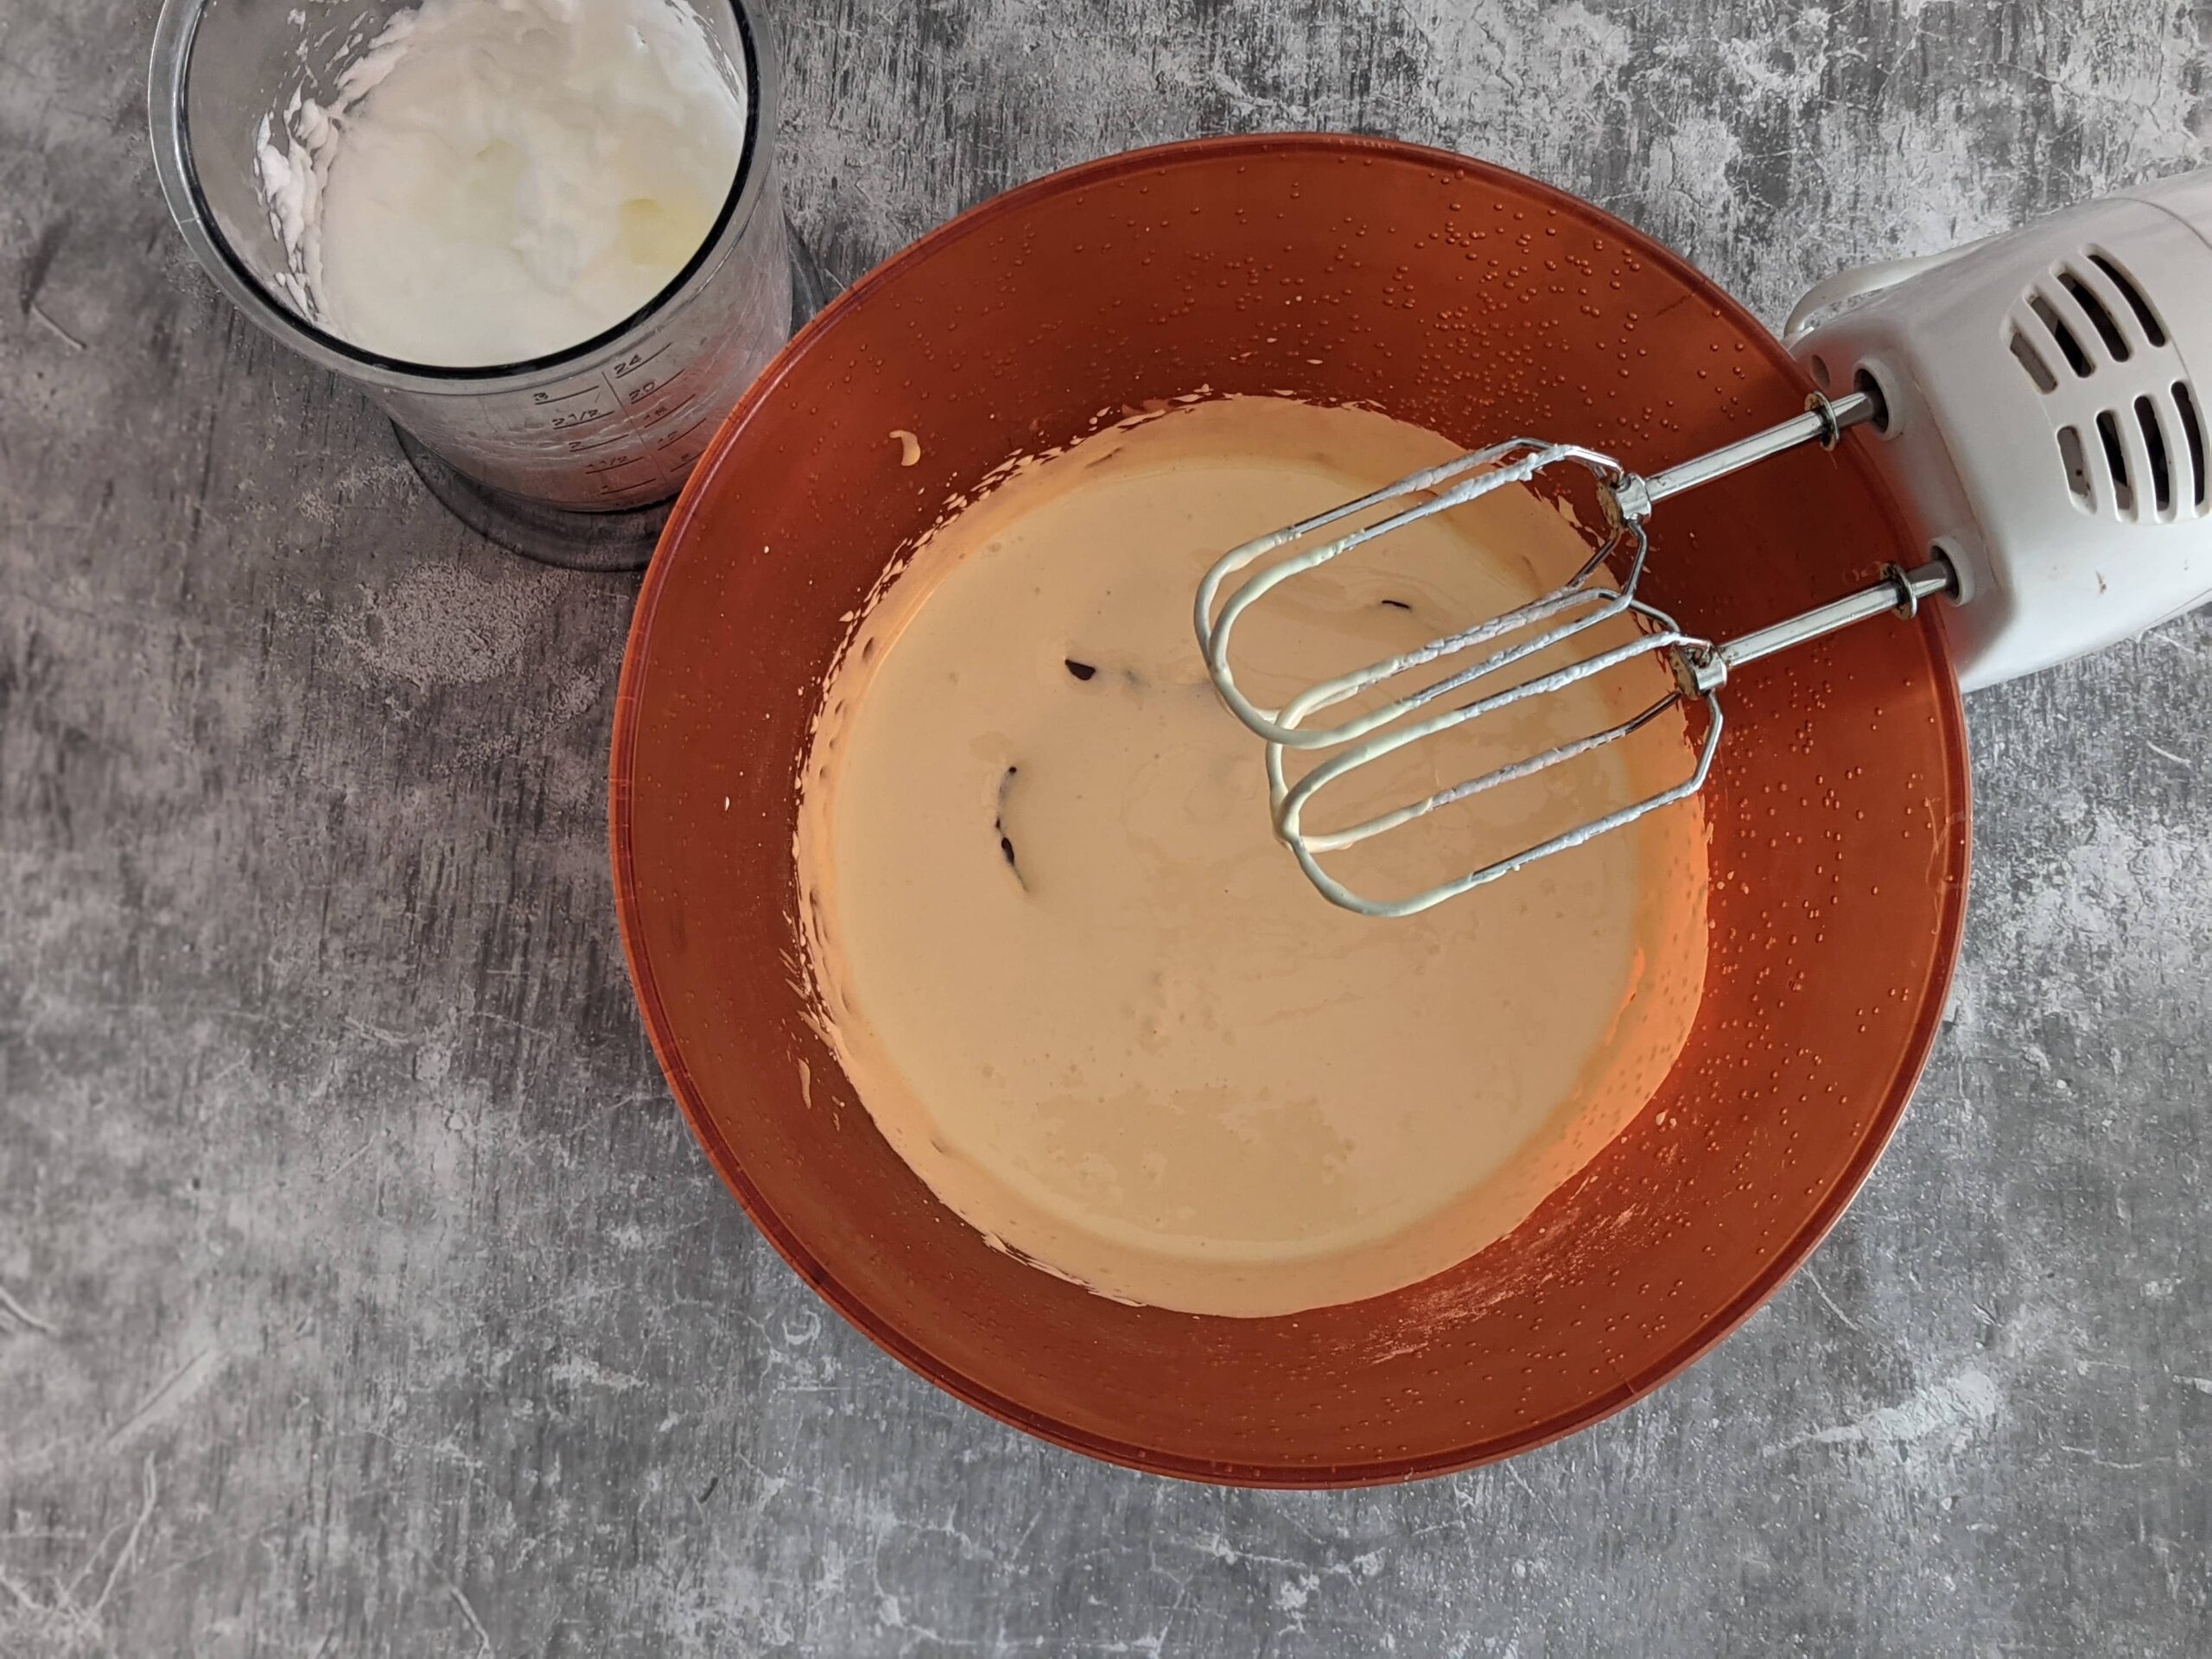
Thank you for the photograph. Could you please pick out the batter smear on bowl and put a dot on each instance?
(1090, 1000)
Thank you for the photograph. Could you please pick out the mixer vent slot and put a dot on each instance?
(2060, 335)
(2123, 490)
(2031, 360)
(2077, 467)
(2138, 301)
(2154, 446)
(2192, 427)
(2093, 307)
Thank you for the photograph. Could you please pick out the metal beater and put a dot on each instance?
(1591, 596)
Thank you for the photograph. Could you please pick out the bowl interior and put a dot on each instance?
(1482, 305)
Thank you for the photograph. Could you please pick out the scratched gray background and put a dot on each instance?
(363, 1294)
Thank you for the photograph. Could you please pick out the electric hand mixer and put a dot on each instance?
(2038, 422)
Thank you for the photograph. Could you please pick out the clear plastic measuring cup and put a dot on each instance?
(523, 450)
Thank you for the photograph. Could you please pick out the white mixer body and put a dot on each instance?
(2047, 418)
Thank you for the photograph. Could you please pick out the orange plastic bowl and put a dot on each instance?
(1480, 304)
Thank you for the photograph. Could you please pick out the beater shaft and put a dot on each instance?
(1700, 670)
(1824, 422)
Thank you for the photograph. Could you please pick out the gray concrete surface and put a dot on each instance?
(365, 1294)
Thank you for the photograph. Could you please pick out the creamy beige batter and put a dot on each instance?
(1090, 999)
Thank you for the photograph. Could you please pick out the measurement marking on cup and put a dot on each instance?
(562, 396)
(614, 464)
(626, 401)
(577, 446)
(678, 437)
(630, 365)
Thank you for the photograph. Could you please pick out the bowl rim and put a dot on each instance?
(660, 1031)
